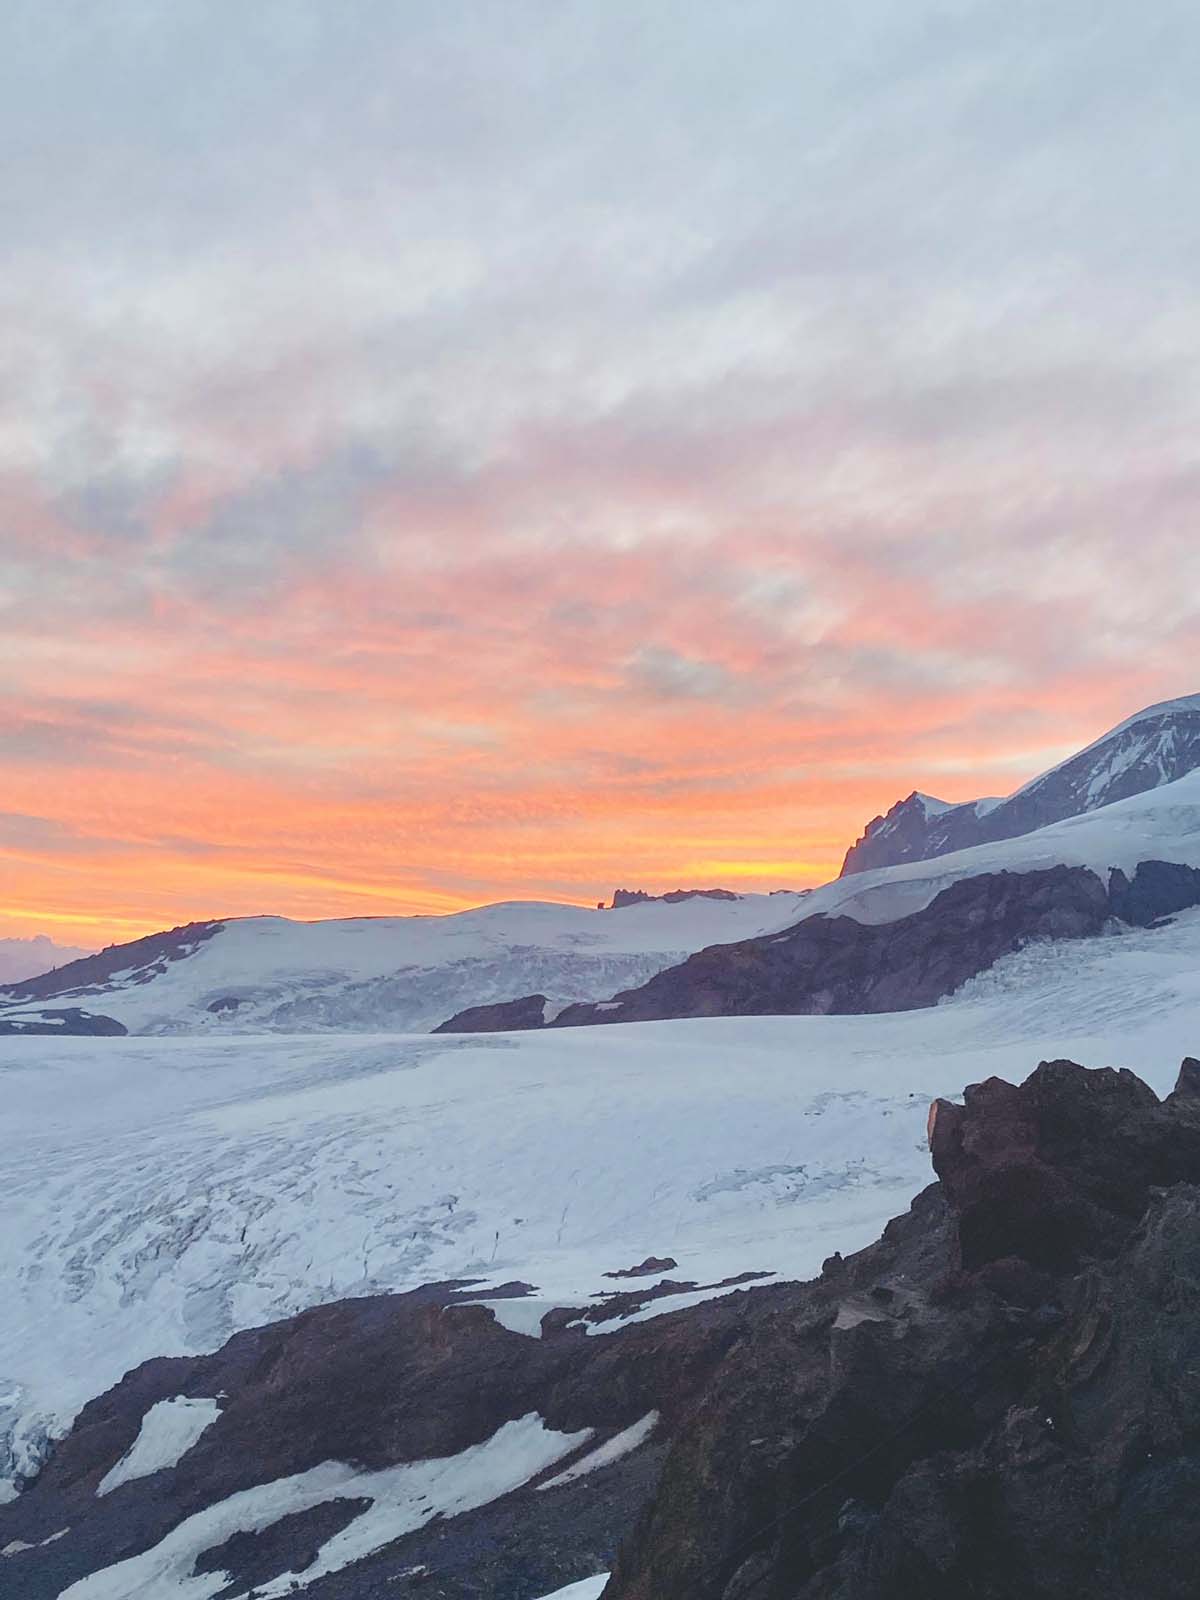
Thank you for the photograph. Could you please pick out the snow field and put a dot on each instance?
(161, 1194)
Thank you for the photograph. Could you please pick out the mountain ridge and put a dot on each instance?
(1155, 746)
(375, 974)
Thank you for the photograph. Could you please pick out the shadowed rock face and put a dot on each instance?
(636, 897)
(837, 965)
(1001, 1397)
(70, 1019)
(1158, 889)
(373, 1382)
(507, 1016)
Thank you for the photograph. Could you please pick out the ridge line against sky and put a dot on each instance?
(451, 453)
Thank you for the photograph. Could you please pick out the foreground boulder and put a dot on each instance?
(246, 1467)
(999, 1398)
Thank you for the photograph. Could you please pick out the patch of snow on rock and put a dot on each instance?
(169, 1430)
(588, 1589)
(403, 1498)
(621, 1444)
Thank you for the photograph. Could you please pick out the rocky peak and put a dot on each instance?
(1063, 1165)
(1154, 747)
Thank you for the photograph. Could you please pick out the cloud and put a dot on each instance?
(666, 674)
(445, 454)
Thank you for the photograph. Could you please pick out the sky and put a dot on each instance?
(456, 451)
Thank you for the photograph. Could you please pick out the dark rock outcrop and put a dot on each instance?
(1000, 1398)
(373, 1382)
(1158, 889)
(837, 965)
(56, 1021)
(1155, 747)
(646, 1269)
(637, 897)
(506, 1016)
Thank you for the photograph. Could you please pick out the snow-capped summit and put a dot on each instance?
(1155, 746)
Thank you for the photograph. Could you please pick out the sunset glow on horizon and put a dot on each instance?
(434, 473)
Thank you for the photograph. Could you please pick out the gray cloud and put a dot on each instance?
(668, 675)
(908, 284)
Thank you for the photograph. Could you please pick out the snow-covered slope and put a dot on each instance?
(1154, 747)
(160, 1193)
(400, 973)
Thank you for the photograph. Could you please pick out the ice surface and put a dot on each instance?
(160, 1194)
(169, 1430)
(402, 1498)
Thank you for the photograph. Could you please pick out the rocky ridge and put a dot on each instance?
(637, 897)
(1152, 748)
(999, 1397)
(837, 965)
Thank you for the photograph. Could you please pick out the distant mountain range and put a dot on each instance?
(26, 958)
(1154, 747)
(887, 935)
(901, 938)
(1119, 843)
